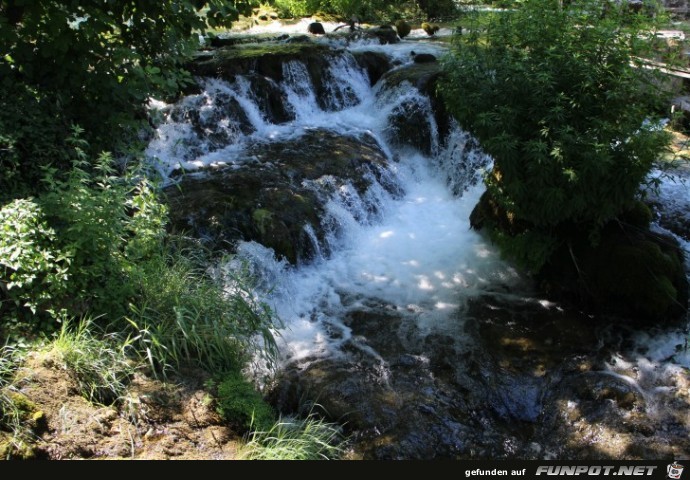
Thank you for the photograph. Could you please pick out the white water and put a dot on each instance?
(413, 254)
(421, 260)
(416, 254)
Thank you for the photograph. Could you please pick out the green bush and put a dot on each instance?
(71, 251)
(240, 404)
(33, 268)
(296, 8)
(558, 95)
(345, 9)
(94, 244)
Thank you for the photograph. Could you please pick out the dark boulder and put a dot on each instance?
(423, 57)
(430, 28)
(385, 34)
(410, 123)
(375, 63)
(265, 196)
(316, 28)
(403, 28)
(270, 99)
(631, 272)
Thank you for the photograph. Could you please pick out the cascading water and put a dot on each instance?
(404, 322)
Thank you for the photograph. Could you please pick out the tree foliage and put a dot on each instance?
(559, 96)
(90, 63)
(72, 250)
(366, 10)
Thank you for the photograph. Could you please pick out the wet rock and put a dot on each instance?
(596, 414)
(270, 99)
(409, 125)
(223, 119)
(375, 63)
(385, 34)
(424, 76)
(423, 58)
(266, 195)
(403, 28)
(316, 28)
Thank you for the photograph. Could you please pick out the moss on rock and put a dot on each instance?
(266, 197)
(239, 403)
(266, 58)
(632, 272)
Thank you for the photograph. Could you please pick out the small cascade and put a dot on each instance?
(351, 204)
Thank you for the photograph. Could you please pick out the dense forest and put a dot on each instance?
(93, 280)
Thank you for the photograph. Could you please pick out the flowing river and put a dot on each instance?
(401, 322)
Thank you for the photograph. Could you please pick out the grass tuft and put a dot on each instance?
(97, 362)
(190, 314)
(291, 438)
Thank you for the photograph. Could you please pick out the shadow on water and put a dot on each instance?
(519, 379)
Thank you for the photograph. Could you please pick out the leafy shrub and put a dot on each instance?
(240, 404)
(33, 269)
(559, 96)
(71, 250)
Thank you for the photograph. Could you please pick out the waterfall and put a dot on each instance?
(402, 317)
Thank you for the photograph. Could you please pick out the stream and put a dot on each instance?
(401, 322)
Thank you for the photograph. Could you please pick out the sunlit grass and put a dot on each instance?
(295, 439)
(97, 362)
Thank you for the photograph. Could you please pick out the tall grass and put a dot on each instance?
(9, 414)
(188, 314)
(292, 438)
(16, 411)
(97, 362)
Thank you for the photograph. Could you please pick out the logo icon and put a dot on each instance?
(674, 471)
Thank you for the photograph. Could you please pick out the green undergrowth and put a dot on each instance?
(292, 438)
(98, 362)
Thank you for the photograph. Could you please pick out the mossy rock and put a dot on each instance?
(637, 215)
(408, 126)
(226, 41)
(240, 404)
(32, 421)
(266, 196)
(403, 28)
(430, 28)
(642, 276)
(632, 273)
(265, 58)
(16, 448)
